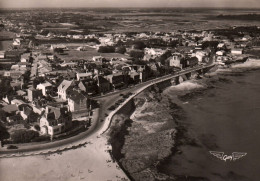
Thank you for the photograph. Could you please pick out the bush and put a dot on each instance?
(136, 54)
(120, 49)
(139, 45)
(41, 138)
(106, 49)
(24, 136)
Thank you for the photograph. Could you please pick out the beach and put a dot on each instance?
(90, 162)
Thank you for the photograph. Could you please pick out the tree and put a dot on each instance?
(137, 54)
(120, 43)
(3, 133)
(106, 49)
(138, 44)
(164, 56)
(37, 81)
(120, 49)
(24, 136)
(210, 44)
(5, 87)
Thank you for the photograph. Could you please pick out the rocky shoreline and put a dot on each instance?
(142, 135)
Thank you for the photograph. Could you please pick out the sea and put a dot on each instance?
(222, 114)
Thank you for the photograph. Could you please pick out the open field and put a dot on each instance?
(87, 55)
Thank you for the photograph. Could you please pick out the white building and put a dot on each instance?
(44, 87)
(63, 89)
(237, 51)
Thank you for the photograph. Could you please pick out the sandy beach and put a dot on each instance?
(91, 162)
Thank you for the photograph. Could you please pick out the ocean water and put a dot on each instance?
(224, 117)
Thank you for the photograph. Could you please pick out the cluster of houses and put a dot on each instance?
(50, 92)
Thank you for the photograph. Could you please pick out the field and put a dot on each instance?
(87, 55)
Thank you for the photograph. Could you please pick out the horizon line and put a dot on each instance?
(130, 7)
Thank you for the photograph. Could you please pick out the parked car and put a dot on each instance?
(12, 147)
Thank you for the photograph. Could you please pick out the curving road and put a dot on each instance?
(98, 127)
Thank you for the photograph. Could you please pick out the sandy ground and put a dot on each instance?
(91, 162)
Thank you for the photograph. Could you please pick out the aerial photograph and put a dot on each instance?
(115, 90)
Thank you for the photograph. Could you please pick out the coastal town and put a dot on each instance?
(65, 75)
(51, 75)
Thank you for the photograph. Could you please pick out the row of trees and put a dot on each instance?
(112, 49)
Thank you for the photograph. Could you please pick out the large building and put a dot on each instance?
(55, 120)
(64, 88)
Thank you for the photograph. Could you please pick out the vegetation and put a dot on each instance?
(120, 49)
(3, 133)
(137, 54)
(106, 49)
(5, 87)
(24, 136)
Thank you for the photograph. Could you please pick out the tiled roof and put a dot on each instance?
(76, 96)
(65, 84)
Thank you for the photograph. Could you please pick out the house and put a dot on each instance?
(103, 84)
(200, 55)
(55, 120)
(45, 87)
(134, 77)
(84, 75)
(34, 94)
(17, 42)
(192, 61)
(2, 54)
(23, 65)
(142, 70)
(116, 80)
(64, 87)
(153, 51)
(68, 64)
(53, 47)
(220, 53)
(221, 46)
(77, 101)
(175, 60)
(97, 58)
(25, 111)
(237, 51)
(17, 102)
(25, 57)
(89, 86)
(42, 57)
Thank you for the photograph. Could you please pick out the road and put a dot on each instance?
(99, 114)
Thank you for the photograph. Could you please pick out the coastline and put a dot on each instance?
(180, 137)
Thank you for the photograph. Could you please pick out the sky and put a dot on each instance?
(128, 3)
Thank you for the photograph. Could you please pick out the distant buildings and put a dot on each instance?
(237, 51)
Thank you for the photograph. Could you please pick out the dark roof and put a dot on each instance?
(102, 80)
(76, 96)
